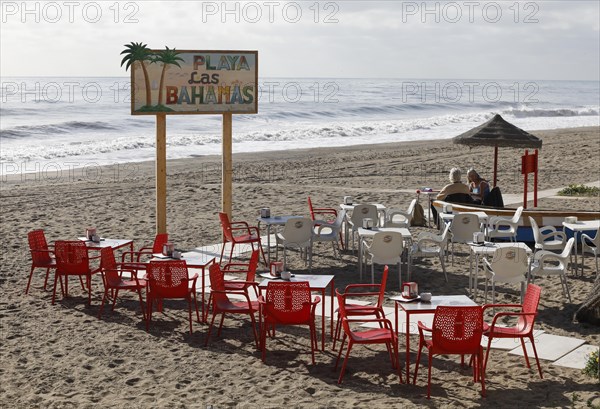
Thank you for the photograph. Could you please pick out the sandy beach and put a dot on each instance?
(62, 356)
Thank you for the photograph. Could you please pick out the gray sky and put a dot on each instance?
(463, 39)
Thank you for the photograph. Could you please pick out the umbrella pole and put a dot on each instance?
(227, 165)
(495, 165)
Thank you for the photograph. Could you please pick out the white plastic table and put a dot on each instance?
(349, 208)
(273, 221)
(364, 233)
(486, 249)
(579, 227)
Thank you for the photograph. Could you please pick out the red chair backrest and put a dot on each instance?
(384, 278)
(226, 226)
(288, 302)
(457, 330)
(217, 283)
(252, 266)
(168, 279)
(108, 265)
(530, 305)
(159, 241)
(37, 241)
(71, 257)
(310, 206)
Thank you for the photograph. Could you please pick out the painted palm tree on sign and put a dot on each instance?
(138, 52)
(166, 57)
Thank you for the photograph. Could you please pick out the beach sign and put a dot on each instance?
(170, 81)
(173, 81)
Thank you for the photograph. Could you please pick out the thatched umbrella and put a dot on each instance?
(497, 132)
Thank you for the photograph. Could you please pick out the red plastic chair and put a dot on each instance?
(384, 335)
(72, 259)
(522, 329)
(170, 279)
(455, 330)
(157, 247)
(250, 235)
(325, 212)
(288, 303)
(221, 304)
(41, 255)
(355, 310)
(112, 278)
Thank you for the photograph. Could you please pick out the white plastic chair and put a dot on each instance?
(431, 245)
(508, 265)
(462, 228)
(324, 231)
(298, 233)
(547, 263)
(590, 245)
(552, 240)
(360, 212)
(502, 228)
(400, 218)
(386, 248)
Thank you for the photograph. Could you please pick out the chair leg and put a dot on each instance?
(525, 353)
(115, 299)
(190, 315)
(102, 303)
(441, 255)
(148, 312)
(262, 252)
(263, 341)
(254, 330)
(54, 290)
(345, 361)
(338, 328)
(212, 321)
(222, 251)
(139, 291)
(564, 279)
(429, 377)
(337, 361)
(417, 364)
(29, 281)
(536, 356)
(231, 251)
(487, 353)
(312, 340)
(221, 324)
(46, 279)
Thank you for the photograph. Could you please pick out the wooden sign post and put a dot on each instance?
(227, 165)
(161, 173)
(190, 82)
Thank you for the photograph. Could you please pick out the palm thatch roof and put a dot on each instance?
(498, 132)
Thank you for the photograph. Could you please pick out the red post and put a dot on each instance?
(524, 171)
(535, 179)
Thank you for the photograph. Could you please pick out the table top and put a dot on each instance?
(114, 243)
(191, 258)
(351, 207)
(317, 282)
(436, 300)
(583, 225)
(450, 216)
(371, 232)
(276, 219)
(489, 247)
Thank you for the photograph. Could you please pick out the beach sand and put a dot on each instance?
(62, 356)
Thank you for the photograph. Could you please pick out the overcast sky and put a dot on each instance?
(464, 39)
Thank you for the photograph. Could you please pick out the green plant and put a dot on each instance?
(579, 190)
(591, 366)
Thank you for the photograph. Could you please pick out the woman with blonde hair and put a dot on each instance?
(478, 186)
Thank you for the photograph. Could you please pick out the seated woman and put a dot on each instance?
(479, 187)
(455, 191)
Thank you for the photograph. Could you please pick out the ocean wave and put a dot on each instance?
(53, 129)
(525, 112)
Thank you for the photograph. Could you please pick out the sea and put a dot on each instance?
(51, 123)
